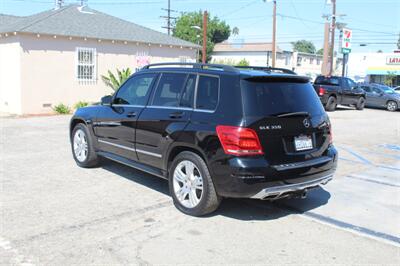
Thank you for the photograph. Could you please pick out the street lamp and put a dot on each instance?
(198, 40)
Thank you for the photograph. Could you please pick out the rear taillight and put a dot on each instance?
(239, 140)
(321, 91)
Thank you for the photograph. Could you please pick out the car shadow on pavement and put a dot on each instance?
(344, 108)
(240, 209)
(139, 177)
(248, 209)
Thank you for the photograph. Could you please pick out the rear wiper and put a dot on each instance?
(293, 114)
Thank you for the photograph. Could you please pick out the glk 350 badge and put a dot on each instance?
(270, 127)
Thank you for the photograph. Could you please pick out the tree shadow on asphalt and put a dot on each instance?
(240, 209)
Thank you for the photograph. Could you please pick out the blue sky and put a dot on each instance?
(374, 22)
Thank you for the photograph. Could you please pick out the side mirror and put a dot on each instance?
(106, 100)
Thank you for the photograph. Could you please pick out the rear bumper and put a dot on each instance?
(256, 178)
(281, 191)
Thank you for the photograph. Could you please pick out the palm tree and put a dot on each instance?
(235, 31)
(113, 82)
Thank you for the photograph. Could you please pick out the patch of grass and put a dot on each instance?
(62, 109)
(80, 104)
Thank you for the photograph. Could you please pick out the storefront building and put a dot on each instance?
(375, 67)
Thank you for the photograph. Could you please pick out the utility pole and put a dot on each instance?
(274, 36)
(332, 48)
(325, 58)
(204, 53)
(168, 17)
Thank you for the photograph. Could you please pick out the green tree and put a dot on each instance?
(217, 30)
(320, 51)
(115, 82)
(304, 46)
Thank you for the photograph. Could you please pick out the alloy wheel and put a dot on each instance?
(188, 184)
(80, 145)
(391, 106)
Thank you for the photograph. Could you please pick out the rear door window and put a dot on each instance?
(266, 98)
(169, 89)
(207, 93)
(188, 92)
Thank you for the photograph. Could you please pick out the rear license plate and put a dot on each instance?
(303, 143)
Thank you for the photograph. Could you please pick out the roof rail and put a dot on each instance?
(195, 65)
(268, 69)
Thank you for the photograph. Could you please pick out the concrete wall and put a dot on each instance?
(10, 75)
(47, 68)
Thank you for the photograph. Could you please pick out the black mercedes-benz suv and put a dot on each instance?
(213, 131)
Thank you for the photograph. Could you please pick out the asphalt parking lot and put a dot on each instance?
(55, 213)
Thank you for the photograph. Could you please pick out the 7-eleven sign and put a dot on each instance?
(346, 41)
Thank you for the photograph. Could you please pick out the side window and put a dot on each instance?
(136, 90)
(207, 93)
(188, 92)
(366, 88)
(351, 83)
(169, 89)
(376, 90)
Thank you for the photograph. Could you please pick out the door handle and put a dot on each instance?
(176, 115)
(131, 114)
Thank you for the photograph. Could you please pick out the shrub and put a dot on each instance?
(114, 82)
(80, 104)
(62, 109)
(231, 62)
(243, 62)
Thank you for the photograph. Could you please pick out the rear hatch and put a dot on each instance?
(287, 116)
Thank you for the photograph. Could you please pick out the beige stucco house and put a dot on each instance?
(58, 56)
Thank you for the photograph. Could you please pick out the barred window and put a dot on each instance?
(86, 65)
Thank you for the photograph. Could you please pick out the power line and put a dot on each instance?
(240, 8)
(319, 22)
(168, 17)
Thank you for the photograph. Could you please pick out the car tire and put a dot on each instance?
(360, 103)
(191, 186)
(82, 147)
(391, 106)
(331, 104)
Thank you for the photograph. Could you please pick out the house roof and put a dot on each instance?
(244, 47)
(77, 21)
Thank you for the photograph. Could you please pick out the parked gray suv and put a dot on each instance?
(381, 96)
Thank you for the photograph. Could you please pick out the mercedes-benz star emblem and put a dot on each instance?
(306, 123)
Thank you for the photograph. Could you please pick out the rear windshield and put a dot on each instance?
(327, 81)
(274, 98)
